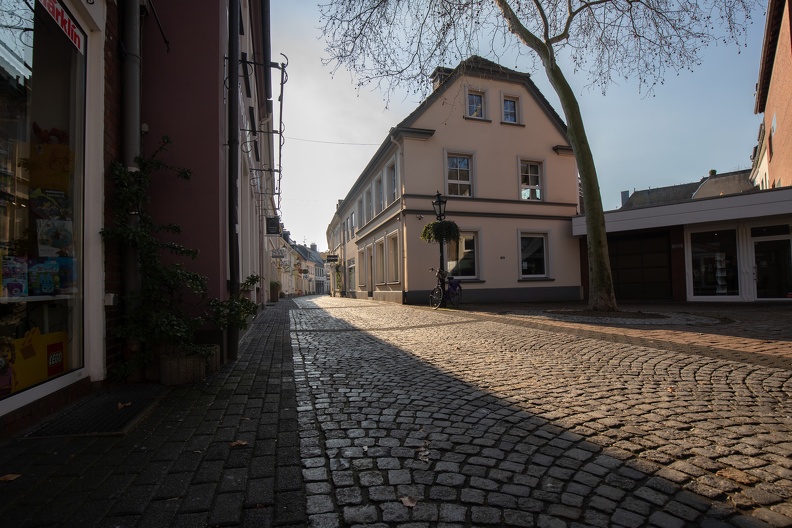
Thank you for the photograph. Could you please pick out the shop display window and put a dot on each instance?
(714, 263)
(42, 101)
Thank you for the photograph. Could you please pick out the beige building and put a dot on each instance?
(773, 157)
(492, 145)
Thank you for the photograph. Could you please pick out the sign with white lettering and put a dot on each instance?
(273, 225)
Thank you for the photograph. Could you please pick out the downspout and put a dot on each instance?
(130, 129)
(232, 335)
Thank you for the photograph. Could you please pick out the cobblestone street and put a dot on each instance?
(345, 413)
(413, 417)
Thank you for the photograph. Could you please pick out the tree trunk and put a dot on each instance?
(601, 294)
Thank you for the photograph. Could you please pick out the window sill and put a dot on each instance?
(536, 279)
(469, 118)
(509, 123)
(469, 281)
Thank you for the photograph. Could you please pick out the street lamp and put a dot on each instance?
(439, 206)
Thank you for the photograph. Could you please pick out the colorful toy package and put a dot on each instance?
(43, 276)
(50, 204)
(15, 278)
(67, 275)
(55, 238)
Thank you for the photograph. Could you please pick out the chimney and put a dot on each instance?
(313, 247)
(625, 195)
(439, 76)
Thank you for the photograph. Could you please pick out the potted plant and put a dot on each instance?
(440, 231)
(163, 313)
(237, 310)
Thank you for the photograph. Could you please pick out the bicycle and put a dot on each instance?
(451, 293)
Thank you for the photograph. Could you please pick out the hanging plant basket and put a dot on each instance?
(440, 231)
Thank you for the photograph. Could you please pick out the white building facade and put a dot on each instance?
(492, 145)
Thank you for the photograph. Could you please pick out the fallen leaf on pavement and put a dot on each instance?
(236, 443)
(9, 477)
(122, 405)
(410, 502)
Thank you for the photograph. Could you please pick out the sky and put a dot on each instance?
(694, 122)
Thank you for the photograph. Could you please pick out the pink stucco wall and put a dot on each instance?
(183, 98)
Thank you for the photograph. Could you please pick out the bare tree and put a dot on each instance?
(400, 42)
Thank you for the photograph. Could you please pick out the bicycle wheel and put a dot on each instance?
(453, 297)
(436, 298)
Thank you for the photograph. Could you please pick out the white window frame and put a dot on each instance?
(392, 177)
(379, 261)
(351, 275)
(379, 193)
(529, 188)
(361, 211)
(480, 93)
(545, 243)
(369, 203)
(476, 236)
(392, 257)
(517, 109)
(472, 170)
(352, 225)
(361, 277)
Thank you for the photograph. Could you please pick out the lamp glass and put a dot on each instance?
(439, 205)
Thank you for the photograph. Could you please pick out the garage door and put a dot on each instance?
(641, 266)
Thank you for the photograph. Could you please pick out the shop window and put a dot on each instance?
(462, 256)
(714, 263)
(533, 256)
(351, 275)
(42, 62)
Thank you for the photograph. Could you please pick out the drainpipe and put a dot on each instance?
(232, 336)
(130, 126)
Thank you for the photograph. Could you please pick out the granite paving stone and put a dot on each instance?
(363, 413)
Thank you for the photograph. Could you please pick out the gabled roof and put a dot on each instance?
(661, 196)
(728, 183)
(775, 12)
(476, 66)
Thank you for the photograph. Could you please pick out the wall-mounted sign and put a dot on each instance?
(273, 225)
(62, 18)
(277, 254)
(331, 258)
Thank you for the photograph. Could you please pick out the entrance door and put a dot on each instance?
(773, 269)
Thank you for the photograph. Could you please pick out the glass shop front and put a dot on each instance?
(42, 120)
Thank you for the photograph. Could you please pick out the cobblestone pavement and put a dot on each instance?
(219, 453)
(416, 418)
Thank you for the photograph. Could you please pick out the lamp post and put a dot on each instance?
(439, 206)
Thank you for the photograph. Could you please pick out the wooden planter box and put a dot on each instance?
(179, 369)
